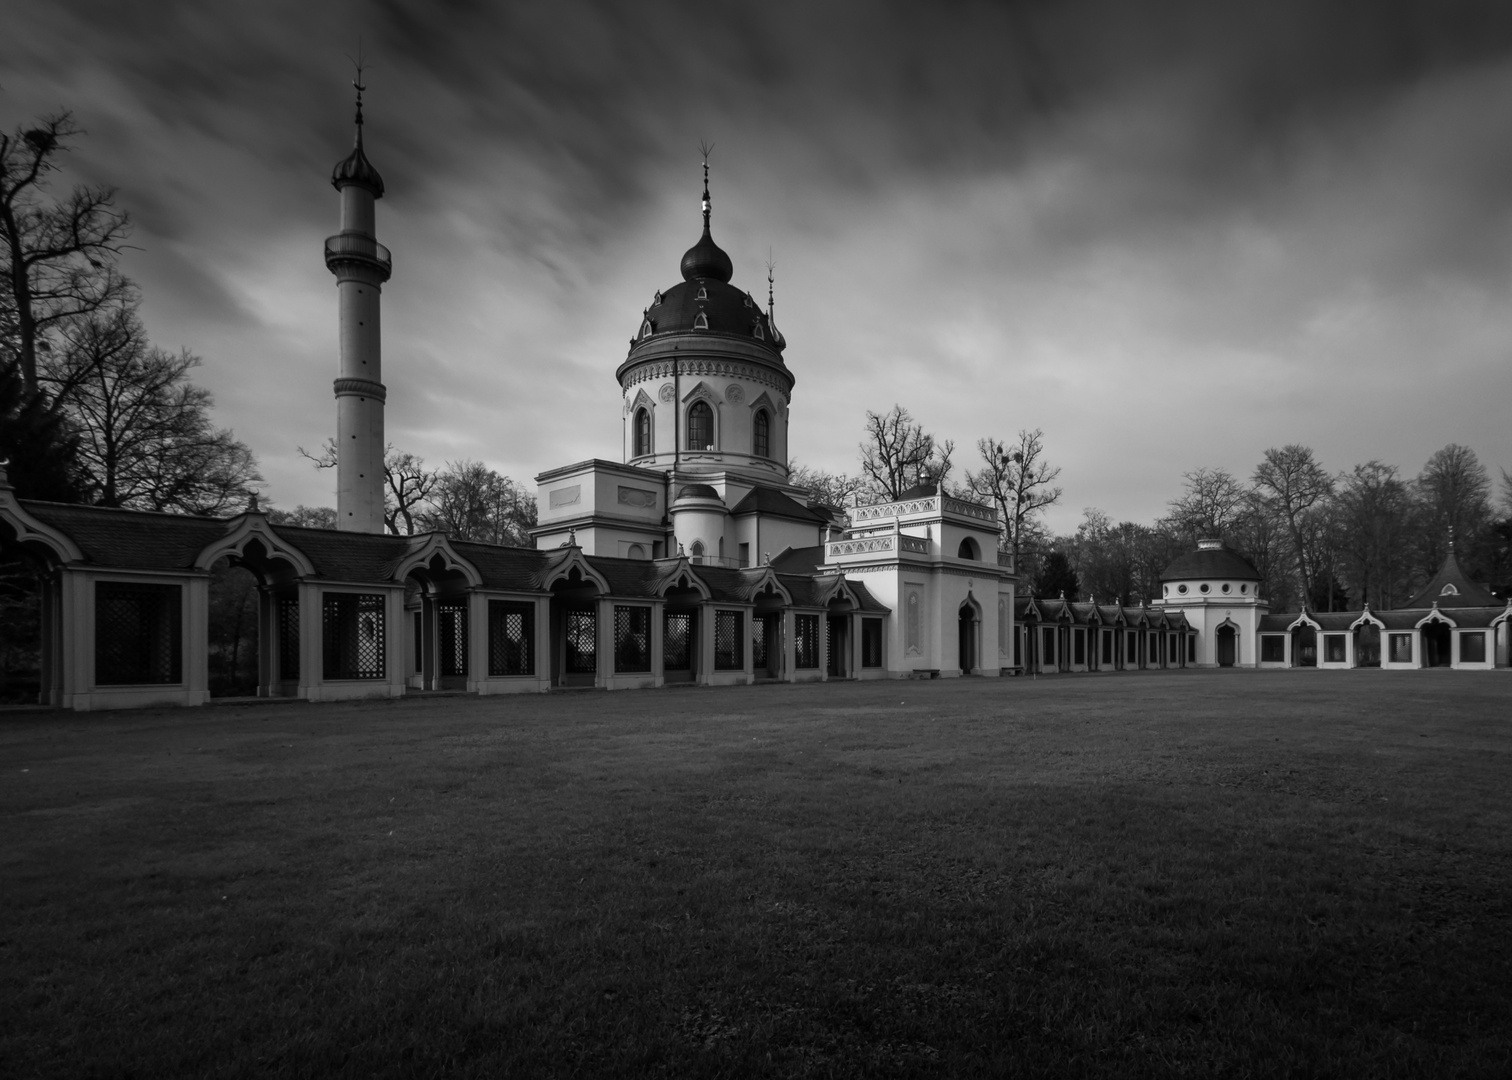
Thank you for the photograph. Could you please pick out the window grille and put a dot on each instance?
(759, 624)
(1473, 647)
(728, 654)
(762, 441)
(288, 637)
(1401, 648)
(700, 426)
(139, 634)
(581, 641)
(1333, 648)
(642, 432)
(352, 628)
(451, 632)
(806, 641)
(871, 642)
(913, 626)
(511, 636)
(632, 638)
(677, 641)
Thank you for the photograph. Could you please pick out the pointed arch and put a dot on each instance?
(423, 553)
(30, 533)
(571, 565)
(242, 531)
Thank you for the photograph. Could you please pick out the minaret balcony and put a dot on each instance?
(359, 248)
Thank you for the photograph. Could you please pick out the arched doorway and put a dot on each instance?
(1436, 644)
(1228, 646)
(574, 631)
(1368, 646)
(1305, 646)
(967, 642)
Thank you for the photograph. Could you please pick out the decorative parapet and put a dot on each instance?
(914, 545)
(934, 504)
(1005, 558)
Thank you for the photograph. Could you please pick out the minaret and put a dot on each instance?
(361, 265)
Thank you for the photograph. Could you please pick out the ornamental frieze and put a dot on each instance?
(662, 369)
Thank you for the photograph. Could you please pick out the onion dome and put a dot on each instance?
(706, 259)
(1213, 559)
(355, 168)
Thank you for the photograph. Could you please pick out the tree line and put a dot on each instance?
(1333, 541)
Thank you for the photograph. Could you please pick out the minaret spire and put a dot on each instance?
(706, 149)
(361, 265)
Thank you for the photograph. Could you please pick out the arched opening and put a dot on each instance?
(574, 631)
(1228, 646)
(233, 651)
(1368, 645)
(1436, 651)
(700, 426)
(441, 642)
(969, 550)
(696, 552)
(28, 601)
(966, 639)
(766, 634)
(1305, 646)
(839, 663)
(680, 632)
(642, 431)
(761, 434)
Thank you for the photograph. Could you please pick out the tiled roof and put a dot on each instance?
(346, 556)
(517, 569)
(804, 560)
(1210, 563)
(1462, 592)
(771, 502)
(130, 539)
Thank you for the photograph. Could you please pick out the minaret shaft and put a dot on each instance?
(361, 266)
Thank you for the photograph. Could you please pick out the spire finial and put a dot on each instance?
(771, 290)
(706, 148)
(358, 63)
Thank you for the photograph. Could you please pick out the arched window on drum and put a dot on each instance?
(700, 426)
(761, 437)
(642, 432)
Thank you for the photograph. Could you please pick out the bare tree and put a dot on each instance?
(1454, 502)
(1212, 504)
(145, 437)
(1374, 517)
(57, 258)
(1019, 482)
(1292, 484)
(825, 488)
(407, 484)
(470, 501)
(898, 454)
(309, 517)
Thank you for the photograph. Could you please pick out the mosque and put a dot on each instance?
(691, 559)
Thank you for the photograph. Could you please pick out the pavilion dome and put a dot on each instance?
(1212, 560)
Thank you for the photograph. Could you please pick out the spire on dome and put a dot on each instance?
(705, 259)
(355, 168)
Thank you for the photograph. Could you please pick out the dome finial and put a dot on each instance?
(705, 259)
(771, 286)
(706, 149)
(356, 169)
(357, 85)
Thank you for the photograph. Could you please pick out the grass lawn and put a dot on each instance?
(1154, 874)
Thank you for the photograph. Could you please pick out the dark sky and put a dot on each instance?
(1169, 234)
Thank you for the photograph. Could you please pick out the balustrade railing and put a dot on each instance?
(352, 245)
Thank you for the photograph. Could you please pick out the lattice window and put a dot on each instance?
(139, 634)
(762, 440)
(806, 641)
(632, 638)
(511, 638)
(759, 641)
(728, 654)
(451, 632)
(677, 641)
(352, 633)
(288, 637)
(581, 641)
(871, 642)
